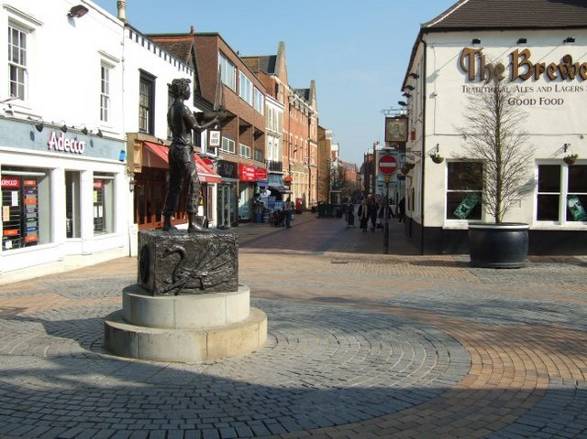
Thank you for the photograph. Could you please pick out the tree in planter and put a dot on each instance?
(496, 137)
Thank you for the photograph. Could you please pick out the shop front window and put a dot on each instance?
(549, 191)
(103, 204)
(72, 204)
(562, 194)
(26, 219)
(463, 194)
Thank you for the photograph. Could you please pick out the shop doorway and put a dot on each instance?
(72, 204)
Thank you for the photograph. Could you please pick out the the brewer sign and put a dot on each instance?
(474, 63)
(65, 144)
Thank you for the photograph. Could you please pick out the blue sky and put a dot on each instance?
(357, 51)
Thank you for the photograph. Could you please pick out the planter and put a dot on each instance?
(437, 159)
(498, 245)
(571, 159)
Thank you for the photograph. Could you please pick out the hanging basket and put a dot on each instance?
(570, 159)
(406, 168)
(437, 159)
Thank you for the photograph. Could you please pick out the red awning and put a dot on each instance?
(160, 154)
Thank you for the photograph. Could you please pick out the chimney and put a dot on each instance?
(121, 5)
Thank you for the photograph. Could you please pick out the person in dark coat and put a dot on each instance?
(372, 210)
(402, 210)
(363, 215)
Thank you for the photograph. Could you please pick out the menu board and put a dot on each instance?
(20, 212)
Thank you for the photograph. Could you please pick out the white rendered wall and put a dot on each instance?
(549, 126)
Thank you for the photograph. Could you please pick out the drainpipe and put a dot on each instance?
(423, 141)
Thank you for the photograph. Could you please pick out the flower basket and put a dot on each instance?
(570, 159)
(406, 168)
(436, 158)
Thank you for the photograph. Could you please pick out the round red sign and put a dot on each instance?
(387, 165)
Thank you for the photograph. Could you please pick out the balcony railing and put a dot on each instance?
(274, 166)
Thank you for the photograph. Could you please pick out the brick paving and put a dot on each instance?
(360, 345)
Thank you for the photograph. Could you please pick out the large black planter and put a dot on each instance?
(498, 245)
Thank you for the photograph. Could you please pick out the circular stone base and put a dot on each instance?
(200, 311)
(185, 345)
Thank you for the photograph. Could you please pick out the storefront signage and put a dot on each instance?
(10, 183)
(65, 144)
(246, 173)
(214, 139)
(396, 129)
(260, 174)
(474, 63)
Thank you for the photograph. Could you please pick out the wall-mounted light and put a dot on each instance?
(566, 147)
(407, 95)
(402, 103)
(522, 41)
(85, 131)
(77, 11)
(64, 128)
(569, 40)
(39, 125)
(9, 110)
(475, 41)
(414, 75)
(100, 133)
(410, 87)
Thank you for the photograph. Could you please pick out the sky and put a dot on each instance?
(357, 51)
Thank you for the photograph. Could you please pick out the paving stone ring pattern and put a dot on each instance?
(323, 366)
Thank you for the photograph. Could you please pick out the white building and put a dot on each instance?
(65, 190)
(539, 48)
(78, 82)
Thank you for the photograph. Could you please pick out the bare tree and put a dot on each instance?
(495, 136)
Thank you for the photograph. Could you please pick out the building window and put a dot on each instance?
(259, 101)
(259, 155)
(228, 145)
(17, 62)
(227, 72)
(463, 194)
(577, 193)
(562, 183)
(103, 204)
(26, 219)
(245, 151)
(105, 93)
(245, 89)
(549, 191)
(146, 104)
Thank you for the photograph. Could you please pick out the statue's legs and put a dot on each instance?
(191, 175)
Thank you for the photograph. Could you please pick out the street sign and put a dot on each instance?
(387, 165)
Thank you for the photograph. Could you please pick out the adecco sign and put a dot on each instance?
(64, 144)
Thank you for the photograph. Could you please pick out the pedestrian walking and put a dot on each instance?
(401, 210)
(372, 210)
(288, 210)
(363, 215)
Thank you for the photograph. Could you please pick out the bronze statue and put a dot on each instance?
(182, 167)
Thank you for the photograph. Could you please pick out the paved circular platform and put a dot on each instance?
(323, 366)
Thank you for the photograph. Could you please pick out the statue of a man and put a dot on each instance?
(182, 167)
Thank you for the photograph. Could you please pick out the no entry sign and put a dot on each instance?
(387, 165)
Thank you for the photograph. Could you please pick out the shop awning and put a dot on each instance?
(160, 154)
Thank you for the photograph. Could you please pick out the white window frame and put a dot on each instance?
(23, 55)
(228, 145)
(245, 89)
(459, 223)
(227, 71)
(245, 151)
(259, 100)
(563, 195)
(105, 95)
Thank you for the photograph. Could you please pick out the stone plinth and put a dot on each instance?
(175, 263)
(185, 312)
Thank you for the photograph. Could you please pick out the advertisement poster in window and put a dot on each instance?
(396, 129)
(20, 212)
(577, 210)
(467, 206)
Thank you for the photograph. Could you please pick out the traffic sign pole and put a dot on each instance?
(387, 166)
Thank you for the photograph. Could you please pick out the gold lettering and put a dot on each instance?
(467, 62)
(539, 70)
(551, 71)
(521, 59)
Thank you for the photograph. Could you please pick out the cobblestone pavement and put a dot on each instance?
(360, 345)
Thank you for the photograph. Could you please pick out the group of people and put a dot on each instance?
(372, 211)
